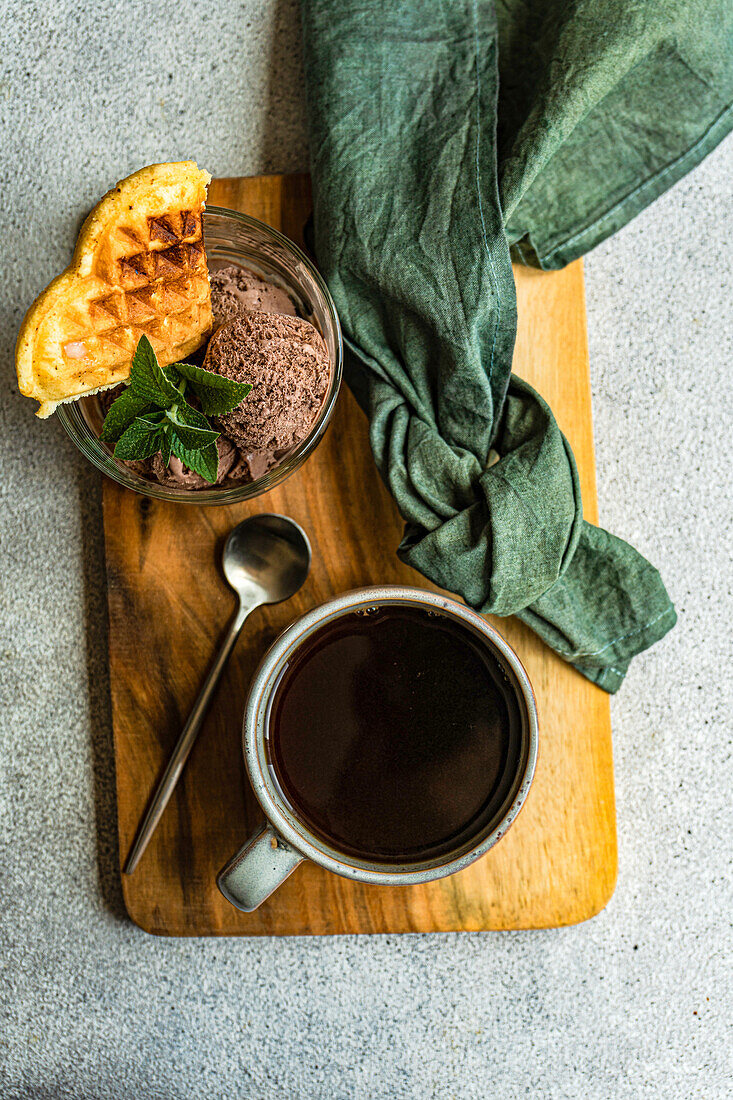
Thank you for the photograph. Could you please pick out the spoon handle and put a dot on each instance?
(186, 741)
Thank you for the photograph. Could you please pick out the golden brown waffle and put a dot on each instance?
(139, 267)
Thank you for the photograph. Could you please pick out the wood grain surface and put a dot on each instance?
(169, 604)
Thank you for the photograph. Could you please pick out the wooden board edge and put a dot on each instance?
(595, 905)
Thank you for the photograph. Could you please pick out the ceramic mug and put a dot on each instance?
(284, 840)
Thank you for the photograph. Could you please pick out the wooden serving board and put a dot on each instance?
(168, 607)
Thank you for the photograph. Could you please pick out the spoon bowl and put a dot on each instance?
(266, 558)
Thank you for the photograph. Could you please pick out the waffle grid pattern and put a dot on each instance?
(153, 280)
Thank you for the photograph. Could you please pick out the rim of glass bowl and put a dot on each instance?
(77, 428)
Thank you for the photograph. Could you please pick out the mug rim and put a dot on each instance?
(287, 823)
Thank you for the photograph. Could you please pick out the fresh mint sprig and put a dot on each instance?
(153, 415)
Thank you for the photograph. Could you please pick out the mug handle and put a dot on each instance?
(257, 869)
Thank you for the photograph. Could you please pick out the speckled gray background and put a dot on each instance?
(636, 1003)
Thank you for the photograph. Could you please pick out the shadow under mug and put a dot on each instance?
(284, 840)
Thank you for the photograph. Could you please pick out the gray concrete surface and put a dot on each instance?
(636, 1003)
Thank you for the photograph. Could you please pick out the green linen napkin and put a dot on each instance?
(594, 108)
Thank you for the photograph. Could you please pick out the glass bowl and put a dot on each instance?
(233, 238)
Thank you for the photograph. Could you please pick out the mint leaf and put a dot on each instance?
(147, 378)
(217, 395)
(186, 414)
(152, 414)
(122, 412)
(137, 442)
(165, 447)
(204, 462)
(219, 402)
(191, 428)
(152, 422)
(193, 438)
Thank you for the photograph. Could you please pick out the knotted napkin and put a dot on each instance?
(448, 137)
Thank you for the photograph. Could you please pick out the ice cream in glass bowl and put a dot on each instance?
(276, 328)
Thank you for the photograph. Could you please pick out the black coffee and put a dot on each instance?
(394, 734)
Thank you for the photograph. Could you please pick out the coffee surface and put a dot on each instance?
(395, 734)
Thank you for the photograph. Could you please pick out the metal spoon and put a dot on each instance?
(266, 560)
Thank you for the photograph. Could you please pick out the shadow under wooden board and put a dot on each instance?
(169, 605)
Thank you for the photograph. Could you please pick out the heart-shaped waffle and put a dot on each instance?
(139, 267)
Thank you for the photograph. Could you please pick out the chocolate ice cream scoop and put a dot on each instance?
(236, 290)
(287, 363)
